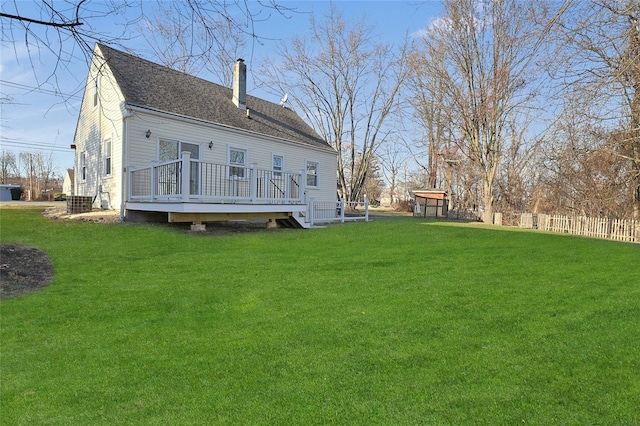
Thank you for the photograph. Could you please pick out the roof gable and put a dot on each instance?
(147, 84)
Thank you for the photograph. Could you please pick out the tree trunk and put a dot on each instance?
(635, 116)
(487, 199)
(635, 178)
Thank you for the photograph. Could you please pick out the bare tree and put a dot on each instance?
(373, 185)
(45, 171)
(26, 165)
(482, 54)
(68, 30)
(180, 43)
(347, 86)
(392, 160)
(431, 113)
(604, 69)
(582, 175)
(7, 165)
(39, 172)
(515, 178)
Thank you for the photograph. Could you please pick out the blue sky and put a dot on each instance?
(39, 120)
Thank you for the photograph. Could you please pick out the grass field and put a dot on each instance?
(398, 321)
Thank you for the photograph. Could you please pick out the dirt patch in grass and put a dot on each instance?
(99, 216)
(23, 270)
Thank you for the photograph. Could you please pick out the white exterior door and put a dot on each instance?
(170, 150)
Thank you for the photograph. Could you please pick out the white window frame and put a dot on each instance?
(179, 144)
(316, 175)
(277, 172)
(108, 164)
(237, 166)
(83, 166)
(194, 172)
(95, 93)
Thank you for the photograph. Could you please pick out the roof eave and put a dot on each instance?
(143, 108)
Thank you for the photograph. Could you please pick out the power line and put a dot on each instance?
(23, 144)
(25, 149)
(40, 90)
(27, 141)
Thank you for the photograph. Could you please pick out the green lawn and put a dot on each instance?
(398, 321)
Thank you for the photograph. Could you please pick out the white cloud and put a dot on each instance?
(434, 25)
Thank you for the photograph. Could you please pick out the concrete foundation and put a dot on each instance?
(198, 227)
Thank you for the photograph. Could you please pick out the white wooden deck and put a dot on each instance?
(196, 191)
(186, 180)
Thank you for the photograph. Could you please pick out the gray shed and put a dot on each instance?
(7, 190)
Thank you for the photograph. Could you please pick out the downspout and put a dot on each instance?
(124, 162)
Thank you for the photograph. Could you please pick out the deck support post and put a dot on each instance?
(198, 227)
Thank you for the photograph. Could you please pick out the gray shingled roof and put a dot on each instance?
(147, 84)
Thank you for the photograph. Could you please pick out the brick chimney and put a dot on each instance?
(240, 84)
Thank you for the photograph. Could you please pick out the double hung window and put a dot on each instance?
(83, 166)
(237, 163)
(312, 173)
(107, 157)
(277, 164)
(95, 93)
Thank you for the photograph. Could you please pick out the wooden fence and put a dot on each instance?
(613, 229)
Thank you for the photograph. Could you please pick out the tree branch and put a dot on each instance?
(45, 23)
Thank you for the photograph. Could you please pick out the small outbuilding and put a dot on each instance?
(67, 184)
(430, 203)
(10, 192)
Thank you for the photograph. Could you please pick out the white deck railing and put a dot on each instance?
(187, 180)
(341, 211)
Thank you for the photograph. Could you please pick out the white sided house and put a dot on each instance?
(155, 142)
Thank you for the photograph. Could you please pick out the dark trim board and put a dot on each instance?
(221, 217)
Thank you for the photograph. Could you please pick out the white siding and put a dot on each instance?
(132, 149)
(67, 184)
(95, 125)
(259, 149)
